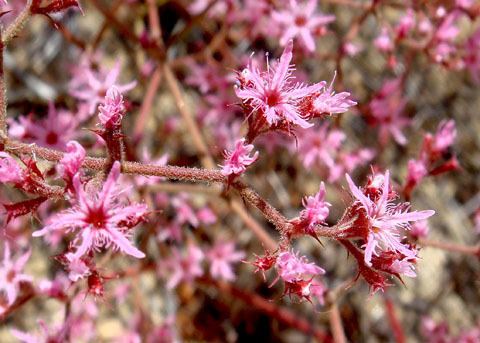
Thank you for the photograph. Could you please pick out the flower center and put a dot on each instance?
(300, 20)
(52, 138)
(272, 98)
(97, 217)
(10, 275)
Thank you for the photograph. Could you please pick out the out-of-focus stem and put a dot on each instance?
(336, 324)
(256, 228)
(17, 25)
(283, 315)
(394, 322)
(453, 247)
(188, 118)
(147, 103)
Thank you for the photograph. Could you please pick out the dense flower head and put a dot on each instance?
(237, 161)
(273, 94)
(299, 20)
(99, 220)
(385, 219)
(112, 110)
(71, 161)
(292, 267)
(316, 208)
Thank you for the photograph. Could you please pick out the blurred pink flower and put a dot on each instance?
(182, 266)
(52, 132)
(420, 229)
(47, 335)
(445, 136)
(184, 213)
(11, 275)
(90, 86)
(384, 42)
(100, 220)
(387, 108)
(301, 21)
(206, 216)
(417, 170)
(221, 257)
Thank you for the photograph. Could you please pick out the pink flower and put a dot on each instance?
(184, 213)
(329, 102)
(387, 109)
(472, 55)
(447, 32)
(445, 136)
(320, 145)
(383, 42)
(77, 268)
(112, 109)
(300, 20)
(206, 77)
(10, 171)
(47, 335)
(91, 86)
(53, 131)
(182, 267)
(406, 24)
(385, 219)
(221, 256)
(99, 219)
(11, 275)
(420, 229)
(237, 161)
(206, 216)
(404, 266)
(316, 208)
(72, 160)
(272, 92)
(417, 170)
(292, 267)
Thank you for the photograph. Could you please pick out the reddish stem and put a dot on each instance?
(283, 315)
(394, 322)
